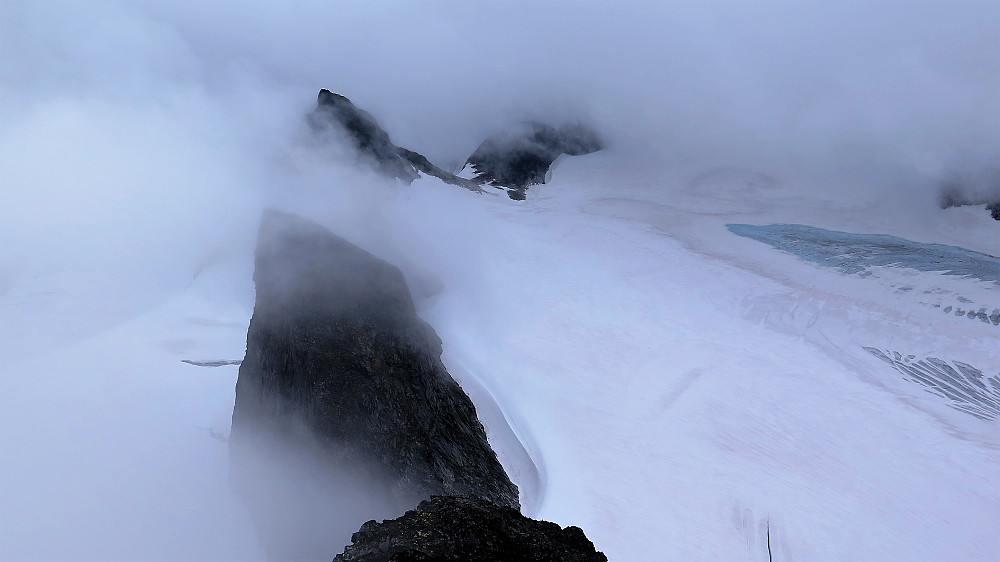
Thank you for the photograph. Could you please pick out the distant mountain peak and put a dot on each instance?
(373, 142)
(517, 159)
(512, 160)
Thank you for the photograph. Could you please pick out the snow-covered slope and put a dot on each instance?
(683, 393)
(687, 389)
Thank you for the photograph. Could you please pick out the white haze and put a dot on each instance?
(139, 141)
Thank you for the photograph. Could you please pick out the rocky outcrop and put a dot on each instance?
(341, 374)
(516, 160)
(373, 143)
(335, 340)
(468, 530)
(512, 160)
(992, 207)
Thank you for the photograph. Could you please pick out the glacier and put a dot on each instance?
(682, 390)
(675, 389)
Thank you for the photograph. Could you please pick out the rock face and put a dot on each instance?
(518, 159)
(511, 160)
(371, 141)
(994, 209)
(468, 530)
(340, 370)
(335, 339)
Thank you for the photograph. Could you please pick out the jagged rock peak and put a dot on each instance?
(335, 343)
(469, 530)
(368, 136)
(518, 159)
(512, 160)
(373, 142)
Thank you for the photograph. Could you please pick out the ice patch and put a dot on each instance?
(966, 388)
(857, 253)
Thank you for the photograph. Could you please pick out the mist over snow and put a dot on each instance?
(678, 386)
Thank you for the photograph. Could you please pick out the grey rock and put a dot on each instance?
(335, 339)
(518, 159)
(511, 160)
(373, 142)
(340, 372)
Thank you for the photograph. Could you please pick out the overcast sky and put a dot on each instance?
(126, 126)
(832, 83)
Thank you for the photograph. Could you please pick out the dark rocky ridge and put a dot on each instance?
(469, 530)
(511, 160)
(516, 160)
(340, 372)
(335, 339)
(373, 142)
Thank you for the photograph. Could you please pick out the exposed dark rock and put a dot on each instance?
(994, 209)
(335, 339)
(373, 142)
(511, 160)
(469, 530)
(341, 371)
(516, 160)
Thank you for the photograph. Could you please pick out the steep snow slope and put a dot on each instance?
(686, 386)
(685, 393)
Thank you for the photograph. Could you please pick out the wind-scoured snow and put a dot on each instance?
(967, 388)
